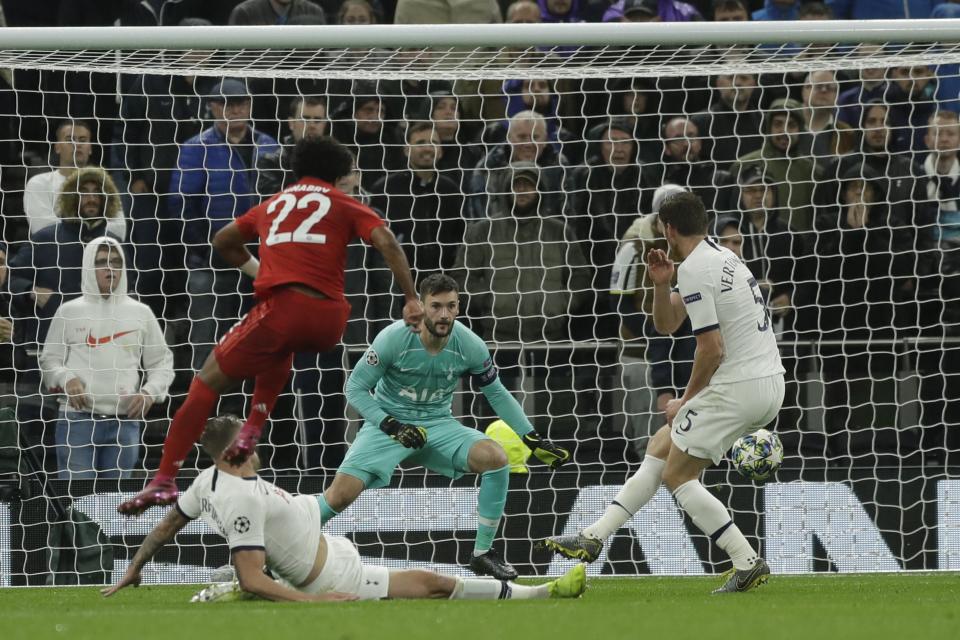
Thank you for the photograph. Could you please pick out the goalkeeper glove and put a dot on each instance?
(410, 436)
(545, 451)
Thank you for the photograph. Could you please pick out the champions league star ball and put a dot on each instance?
(757, 455)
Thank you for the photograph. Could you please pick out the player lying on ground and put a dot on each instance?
(409, 417)
(304, 232)
(736, 387)
(266, 526)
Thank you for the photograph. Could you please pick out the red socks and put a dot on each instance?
(266, 388)
(186, 428)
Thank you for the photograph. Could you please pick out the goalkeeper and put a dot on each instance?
(408, 417)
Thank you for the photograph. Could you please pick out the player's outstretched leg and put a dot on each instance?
(570, 585)
(638, 490)
(267, 387)
(185, 430)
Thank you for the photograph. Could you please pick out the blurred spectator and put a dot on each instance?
(637, 100)
(780, 160)
(907, 193)
(534, 95)
(46, 271)
(522, 268)
(153, 13)
(780, 260)
(306, 118)
(774, 254)
(911, 96)
(266, 12)
(158, 113)
(651, 11)
(526, 142)
(460, 152)
(862, 269)
(880, 9)
(215, 181)
(683, 163)
(872, 86)
(6, 325)
(93, 354)
(447, 12)
(731, 11)
(655, 367)
(356, 12)
(948, 9)
(828, 137)
(604, 198)
(360, 123)
(72, 149)
(814, 11)
(778, 10)
(423, 207)
(731, 126)
(560, 11)
(523, 12)
(942, 170)
(727, 230)
(524, 279)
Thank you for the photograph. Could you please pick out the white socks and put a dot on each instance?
(637, 492)
(709, 514)
(480, 589)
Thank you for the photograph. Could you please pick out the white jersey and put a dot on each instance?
(719, 292)
(252, 513)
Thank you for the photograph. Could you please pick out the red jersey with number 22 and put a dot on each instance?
(304, 231)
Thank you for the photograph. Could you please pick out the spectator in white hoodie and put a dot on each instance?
(94, 352)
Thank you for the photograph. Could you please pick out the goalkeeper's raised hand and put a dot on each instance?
(545, 451)
(410, 436)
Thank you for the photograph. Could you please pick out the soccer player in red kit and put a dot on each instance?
(304, 231)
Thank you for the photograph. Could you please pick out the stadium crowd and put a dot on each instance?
(840, 190)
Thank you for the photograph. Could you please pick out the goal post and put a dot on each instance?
(524, 160)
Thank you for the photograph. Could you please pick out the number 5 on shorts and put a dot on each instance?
(687, 423)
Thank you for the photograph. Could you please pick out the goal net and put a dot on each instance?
(526, 162)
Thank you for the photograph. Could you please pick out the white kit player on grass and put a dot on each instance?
(735, 388)
(266, 526)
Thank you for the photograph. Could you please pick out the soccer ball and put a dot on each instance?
(757, 455)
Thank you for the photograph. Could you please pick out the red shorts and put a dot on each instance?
(287, 322)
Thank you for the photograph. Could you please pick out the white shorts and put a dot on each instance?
(709, 424)
(343, 572)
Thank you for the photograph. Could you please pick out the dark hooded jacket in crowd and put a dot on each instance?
(601, 206)
(426, 217)
(860, 273)
(728, 134)
(907, 192)
(376, 153)
(159, 113)
(461, 155)
(780, 257)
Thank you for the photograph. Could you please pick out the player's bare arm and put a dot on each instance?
(230, 244)
(163, 533)
(668, 310)
(249, 565)
(386, 243)
(706, 360)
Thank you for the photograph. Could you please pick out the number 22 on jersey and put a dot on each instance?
(287, 203)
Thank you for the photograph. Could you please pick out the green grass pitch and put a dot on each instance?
(902, 606)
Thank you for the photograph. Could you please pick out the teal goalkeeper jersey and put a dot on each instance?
(413, 386)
